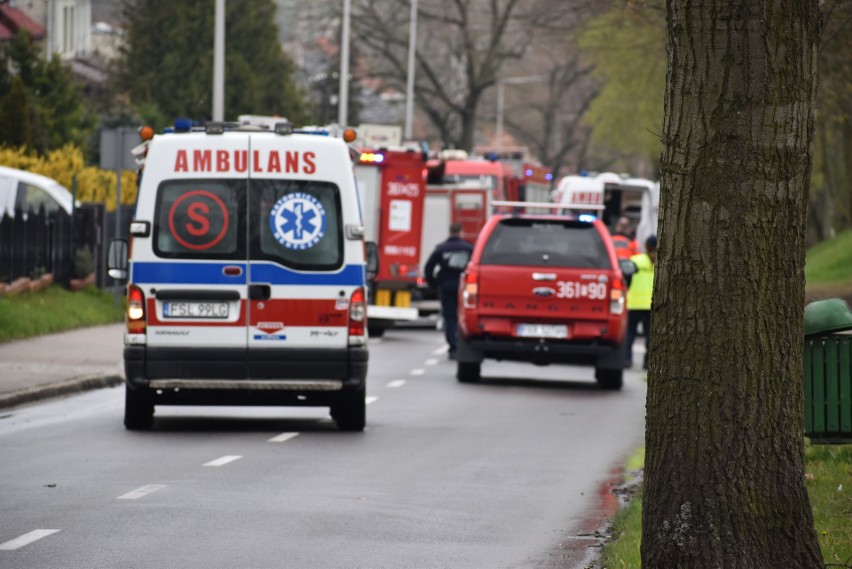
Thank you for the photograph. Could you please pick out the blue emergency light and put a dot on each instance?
(587, 217)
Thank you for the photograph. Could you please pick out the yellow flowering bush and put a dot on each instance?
(63, 164)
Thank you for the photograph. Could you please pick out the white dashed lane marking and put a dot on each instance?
(441, 351)
(418, 371)
(431, 362)
(26, 539)
(396, 383)
(143, 491)
(372, 400)
(283, 437)
(223, 460)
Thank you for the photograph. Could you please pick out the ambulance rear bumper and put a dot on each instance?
(237, 369)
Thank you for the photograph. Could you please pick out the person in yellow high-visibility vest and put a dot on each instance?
(639, 298)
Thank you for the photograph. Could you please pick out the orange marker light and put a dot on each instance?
(349, 135)
(146, 133)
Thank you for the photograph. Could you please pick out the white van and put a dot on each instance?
(28, 192)
(246, 274)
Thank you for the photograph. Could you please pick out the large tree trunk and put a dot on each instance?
(724, 468)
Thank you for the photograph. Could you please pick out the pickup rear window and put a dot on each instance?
(546, 242)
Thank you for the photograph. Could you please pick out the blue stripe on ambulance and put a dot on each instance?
(213, 273)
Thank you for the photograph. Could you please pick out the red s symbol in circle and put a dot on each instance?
(196, 213)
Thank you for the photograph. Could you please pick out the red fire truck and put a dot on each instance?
(392, 192)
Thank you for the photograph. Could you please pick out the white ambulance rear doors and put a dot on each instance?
(303, 269)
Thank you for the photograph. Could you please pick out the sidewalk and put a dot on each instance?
(57, 364)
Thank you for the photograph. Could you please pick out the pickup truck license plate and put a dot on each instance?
(195, 309)
(542, 331)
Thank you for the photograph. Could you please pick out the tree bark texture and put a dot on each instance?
(724, 470)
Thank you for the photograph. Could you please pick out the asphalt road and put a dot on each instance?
(503, 474)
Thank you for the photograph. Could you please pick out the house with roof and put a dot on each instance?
(13, 20)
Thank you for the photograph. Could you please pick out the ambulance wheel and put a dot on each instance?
(467, 372)
(610, 379)
(138, 409)
(351, 413)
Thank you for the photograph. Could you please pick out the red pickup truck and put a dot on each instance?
(543, 289)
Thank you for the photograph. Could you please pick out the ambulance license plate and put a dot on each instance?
(195, 309)
(558, 331)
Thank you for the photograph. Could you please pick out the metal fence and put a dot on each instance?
(67, 246)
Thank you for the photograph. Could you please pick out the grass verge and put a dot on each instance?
(55, 309)
(828, 474)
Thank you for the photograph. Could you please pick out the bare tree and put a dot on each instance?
(463, 46)
(724, 467)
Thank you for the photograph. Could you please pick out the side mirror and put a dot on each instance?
(372, 252)
(117, 259)
(628, 267)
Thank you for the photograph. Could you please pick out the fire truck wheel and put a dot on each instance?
(376, 330)
(138, 409)
(468, 372)
(611, 379)
(351, 412)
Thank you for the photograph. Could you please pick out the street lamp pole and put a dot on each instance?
(501, 83)
(343, 99)
(219, 62)
(409, 90)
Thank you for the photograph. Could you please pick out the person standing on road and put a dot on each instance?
(450, 265)
(639, 298)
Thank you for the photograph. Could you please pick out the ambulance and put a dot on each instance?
(246, 273)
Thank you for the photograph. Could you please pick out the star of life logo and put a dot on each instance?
(298, 221)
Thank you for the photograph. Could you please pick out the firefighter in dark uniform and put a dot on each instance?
(446, 279)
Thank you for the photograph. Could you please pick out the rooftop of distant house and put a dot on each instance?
(13, 20)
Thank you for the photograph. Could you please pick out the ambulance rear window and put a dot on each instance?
(296, 223)
(200, 219)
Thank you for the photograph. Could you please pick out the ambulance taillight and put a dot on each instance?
(357, 318)
(135, 310)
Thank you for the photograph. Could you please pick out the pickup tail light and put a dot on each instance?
(357, 318)
(617, 297)
(135, 310)
(470, 292)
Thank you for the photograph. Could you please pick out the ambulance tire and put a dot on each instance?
(350, 414)
(468, 372)
(138, 409)
(610, 379)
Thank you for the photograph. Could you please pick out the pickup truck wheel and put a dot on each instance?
(138, 409)
(611, 379)
(468, 372)
(350, 414)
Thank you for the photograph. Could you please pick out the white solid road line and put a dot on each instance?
(26, 539)
(283, 437)
(143, 491)
(396, 383)
(418, 371)
(223, 460)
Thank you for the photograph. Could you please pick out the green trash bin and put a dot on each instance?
(828, 371)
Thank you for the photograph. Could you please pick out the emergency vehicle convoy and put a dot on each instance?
(246, 273)
(392, 191)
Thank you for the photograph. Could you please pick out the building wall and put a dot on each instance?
(68, 24)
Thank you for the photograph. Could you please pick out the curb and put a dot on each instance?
(52, 390)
